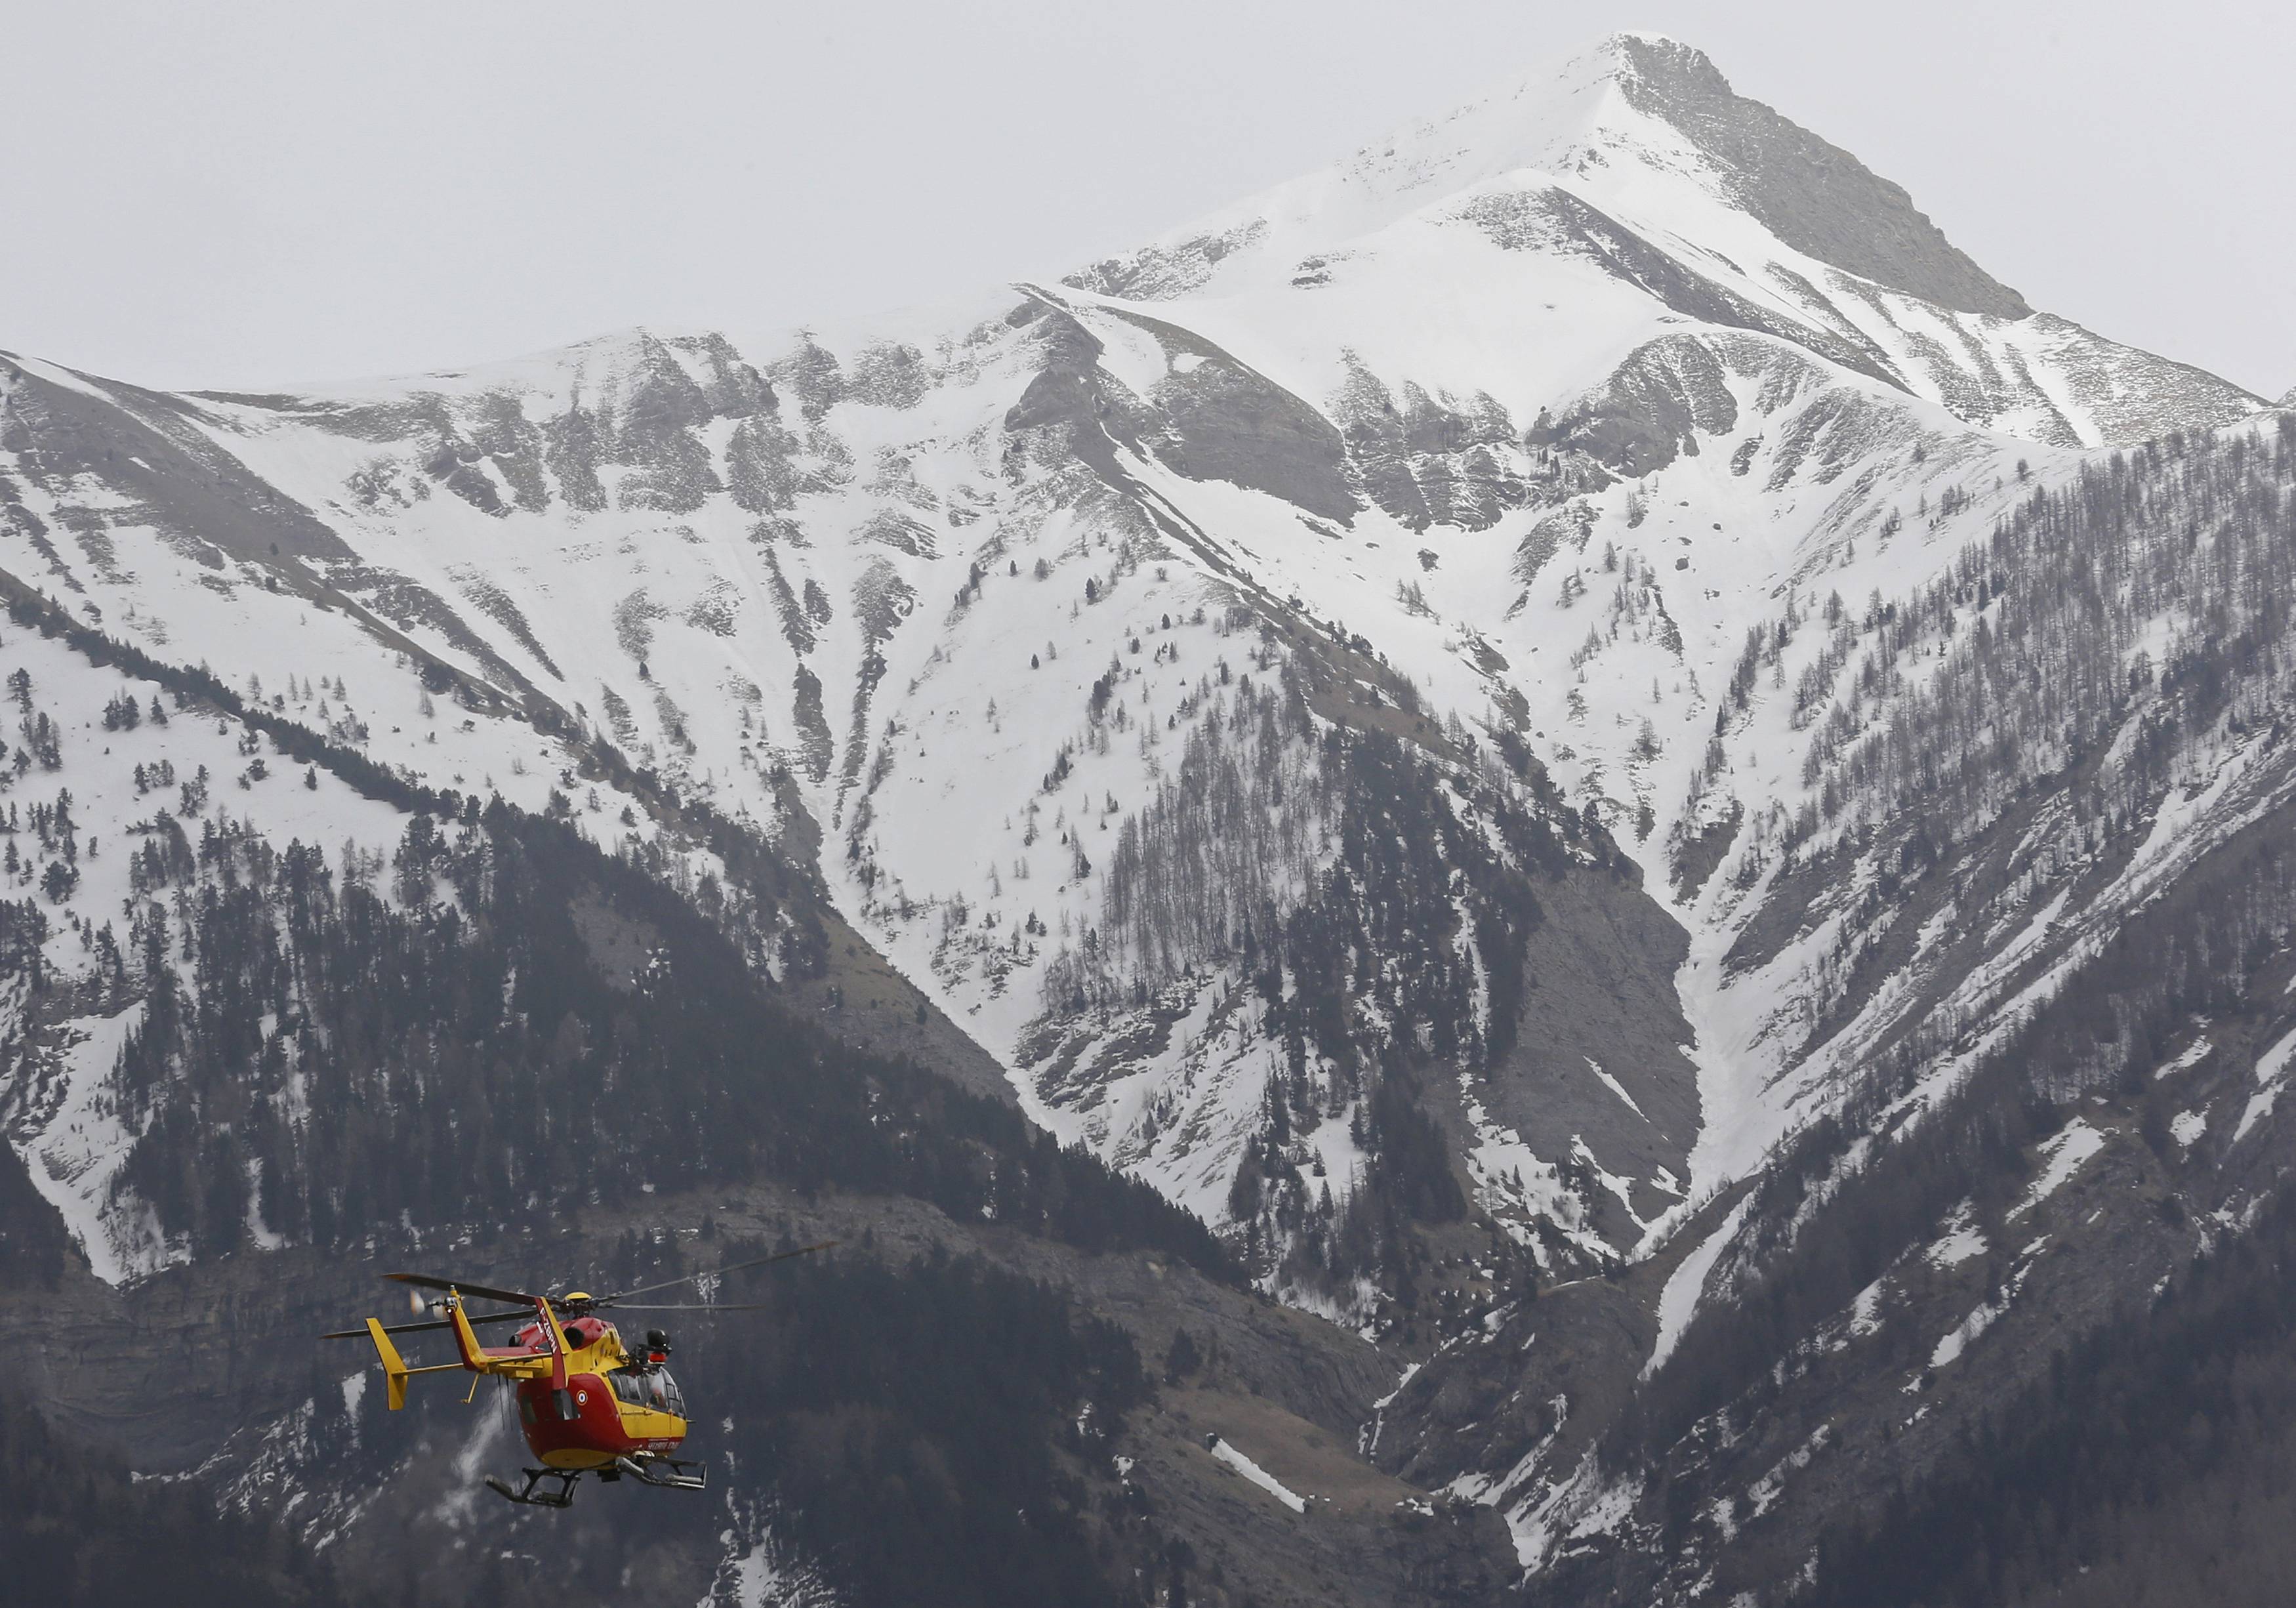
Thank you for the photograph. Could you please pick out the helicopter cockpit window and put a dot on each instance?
(666, 1395)
(629, 1387)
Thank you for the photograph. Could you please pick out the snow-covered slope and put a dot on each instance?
(1524, 243)
(80, 815)
(1525, 417)
(112, 791)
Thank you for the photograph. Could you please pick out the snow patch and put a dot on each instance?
(2064, 1151)
(74, 1156)
(2271, 1073)
(1679, 1300)
(1961, 1242)
(1950, 1348)
(1616, 1088)
(1865, 1314)
(1258, 1476)
(2194, 1054)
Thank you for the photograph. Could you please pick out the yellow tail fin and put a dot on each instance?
(466, 1339)
(394, 1366)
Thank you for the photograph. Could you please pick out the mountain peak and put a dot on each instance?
(1815, 197)
(1630, 48)
(1630, 103)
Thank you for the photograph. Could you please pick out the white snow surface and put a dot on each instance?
(1226, 1452)
(2271, 1076)
(1678, 1299)
(2191, 1056)
(1962, 1241)
(2062, 1155)
(1616, 1088)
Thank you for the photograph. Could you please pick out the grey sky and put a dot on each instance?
(249, 194)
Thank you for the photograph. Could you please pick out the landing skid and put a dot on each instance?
(665, 1474)
(527, 1495)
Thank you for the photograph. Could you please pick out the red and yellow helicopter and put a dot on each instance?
(588, 1403)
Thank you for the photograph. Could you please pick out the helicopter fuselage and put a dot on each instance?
(611, 1406)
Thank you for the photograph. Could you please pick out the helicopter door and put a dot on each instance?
(557, 1403)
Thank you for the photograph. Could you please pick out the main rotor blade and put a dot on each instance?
(782, 1256)
(700, 1306)
(423, 1281)
(443, 1323)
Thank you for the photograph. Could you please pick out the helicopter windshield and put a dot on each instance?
(650, 1388)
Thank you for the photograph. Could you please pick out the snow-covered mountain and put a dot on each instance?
(1581, 212)
(1494, 645)
(816, 570)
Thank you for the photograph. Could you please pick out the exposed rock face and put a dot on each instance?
(157, 466)
(1218, 420)
(1815, 197)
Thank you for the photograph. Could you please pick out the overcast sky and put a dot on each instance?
(244, 194)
